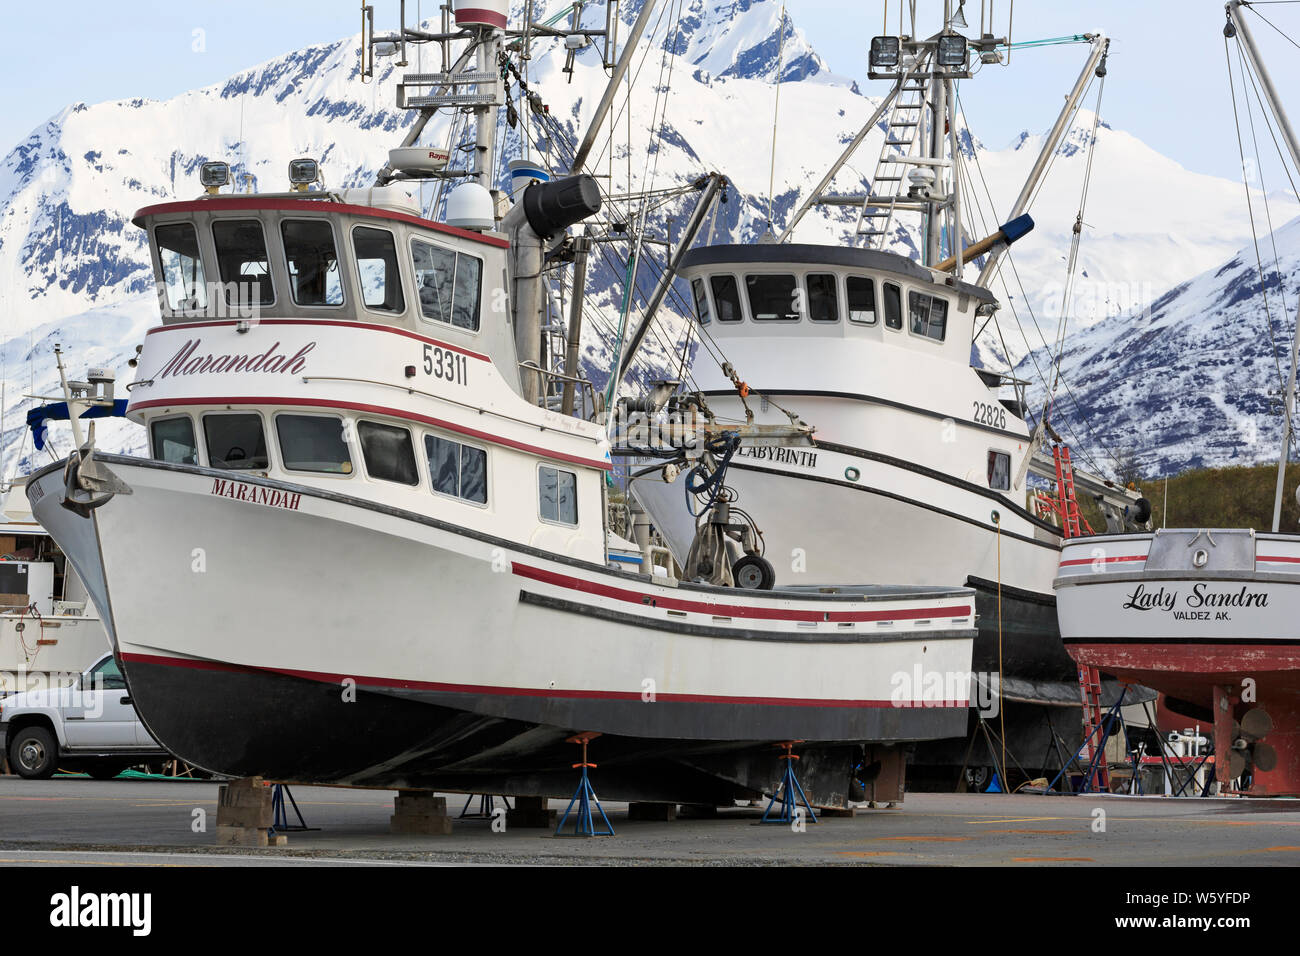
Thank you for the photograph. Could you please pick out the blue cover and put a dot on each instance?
(58, 412)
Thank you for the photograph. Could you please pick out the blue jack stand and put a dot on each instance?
(786, 793)
(584, 797)
(280, 815)
(486, 806)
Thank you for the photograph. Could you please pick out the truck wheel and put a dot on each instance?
(34, 753)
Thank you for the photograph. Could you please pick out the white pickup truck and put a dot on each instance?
(91, 727)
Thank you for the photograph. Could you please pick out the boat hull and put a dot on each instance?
(1222, 636)
(362, 644)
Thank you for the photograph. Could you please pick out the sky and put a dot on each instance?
(1166, 84)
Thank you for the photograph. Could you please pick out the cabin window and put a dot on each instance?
(457, 470)
(862, 299)
(823, 298)
(173, 440)
(313, 262)
(448, 283)
(557, 493)
(381, 280)
(182, 267)
(893, 306)
(701, 302)
(388, 452)
(314, 443)
(929, 315)
(1000, 470)
(726, 298)
(771, 298)
(235, 441)
(243, 262)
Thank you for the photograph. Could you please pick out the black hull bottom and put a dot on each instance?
(246, 722)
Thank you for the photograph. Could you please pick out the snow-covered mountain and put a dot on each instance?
(74, 270)
(1187, 383)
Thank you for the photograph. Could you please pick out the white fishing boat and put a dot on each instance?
(1205, 615)
(917, 469)
(49, 630)
(364, 548)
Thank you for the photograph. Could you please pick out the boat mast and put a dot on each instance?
(1237, 26)
(1100, 47)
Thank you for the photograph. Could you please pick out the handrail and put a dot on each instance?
(451, 401)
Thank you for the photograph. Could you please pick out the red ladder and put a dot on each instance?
(1093, 718)
(1073, 526)
(1067, 505)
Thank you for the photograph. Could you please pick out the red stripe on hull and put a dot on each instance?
(393, 683)
(1104, 561)
(737, 610)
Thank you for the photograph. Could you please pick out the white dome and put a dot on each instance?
(470, 207)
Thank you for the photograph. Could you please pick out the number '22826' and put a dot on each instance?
(445, 364)
(990, 415)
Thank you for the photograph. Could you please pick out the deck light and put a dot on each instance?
(212, 176)
(302, 173)
(884, 53)
(952, 51)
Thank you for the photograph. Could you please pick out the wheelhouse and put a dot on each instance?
(319, 256)
(828, 291)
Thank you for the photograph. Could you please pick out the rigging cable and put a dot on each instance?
(776, 111)
(1250, 208)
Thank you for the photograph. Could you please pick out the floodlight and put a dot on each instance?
(212, 176)
(303, 172)
(884, 53)
(952, 51)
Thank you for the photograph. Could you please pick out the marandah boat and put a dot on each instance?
(363, 551)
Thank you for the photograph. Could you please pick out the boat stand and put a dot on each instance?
(584, 797)
(486, 806)
(1103, 729)
(790, 794)
(280, 817)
